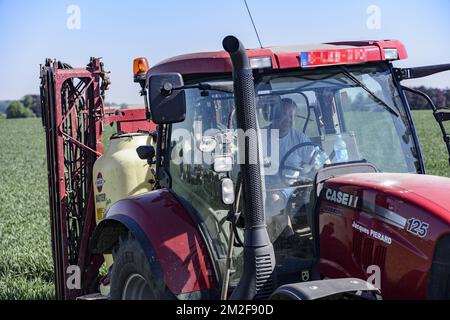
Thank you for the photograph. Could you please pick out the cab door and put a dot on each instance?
(194, 144)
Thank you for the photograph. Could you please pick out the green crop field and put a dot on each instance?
(26, 270)
(431, 143)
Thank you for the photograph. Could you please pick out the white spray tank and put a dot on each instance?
(120, 173)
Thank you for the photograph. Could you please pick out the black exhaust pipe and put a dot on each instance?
(257, 280)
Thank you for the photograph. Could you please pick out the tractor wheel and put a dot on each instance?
(439, 282)
(131, 274)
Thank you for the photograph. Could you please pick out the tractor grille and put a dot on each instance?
(364, 253)
(357, 245)
(264, 277)
(367, 252)
(380, 256)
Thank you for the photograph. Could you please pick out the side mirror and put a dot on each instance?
(146, 153)
(167, 98)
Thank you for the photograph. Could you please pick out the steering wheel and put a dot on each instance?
(300, 169)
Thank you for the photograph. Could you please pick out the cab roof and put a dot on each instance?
(288, 57)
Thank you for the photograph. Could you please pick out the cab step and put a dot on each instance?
(93, 296)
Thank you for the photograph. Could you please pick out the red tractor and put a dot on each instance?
(282, 173)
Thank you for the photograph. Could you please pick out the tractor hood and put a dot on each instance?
(431, 193)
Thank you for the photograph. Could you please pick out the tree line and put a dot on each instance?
(27, 107)
(440, 97)
(30, 106)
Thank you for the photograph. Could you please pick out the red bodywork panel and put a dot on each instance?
(174, 237)
(282, 57)
(206, 62)
(349, 236)
(128, 120)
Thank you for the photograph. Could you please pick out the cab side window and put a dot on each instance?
(306, 113)
(191, 169)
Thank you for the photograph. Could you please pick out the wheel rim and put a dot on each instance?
(136, 288)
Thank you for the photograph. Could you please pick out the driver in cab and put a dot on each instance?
(288, 138)
(295, 152)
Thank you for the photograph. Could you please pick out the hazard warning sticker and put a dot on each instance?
(99, 182)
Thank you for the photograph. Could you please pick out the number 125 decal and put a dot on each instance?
(417, 227)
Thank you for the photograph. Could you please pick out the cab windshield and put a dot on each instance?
(307, 119)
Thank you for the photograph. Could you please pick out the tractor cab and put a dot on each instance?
(301, 115)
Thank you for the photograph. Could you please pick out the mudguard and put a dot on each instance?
(166, 231)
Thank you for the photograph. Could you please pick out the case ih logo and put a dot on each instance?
(341, 198)
(99, 182)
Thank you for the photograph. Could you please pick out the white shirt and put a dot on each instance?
(285, 144)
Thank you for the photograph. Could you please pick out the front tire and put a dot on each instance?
(439, 282)
(131, 274)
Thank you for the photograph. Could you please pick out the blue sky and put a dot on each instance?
(32, 30)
